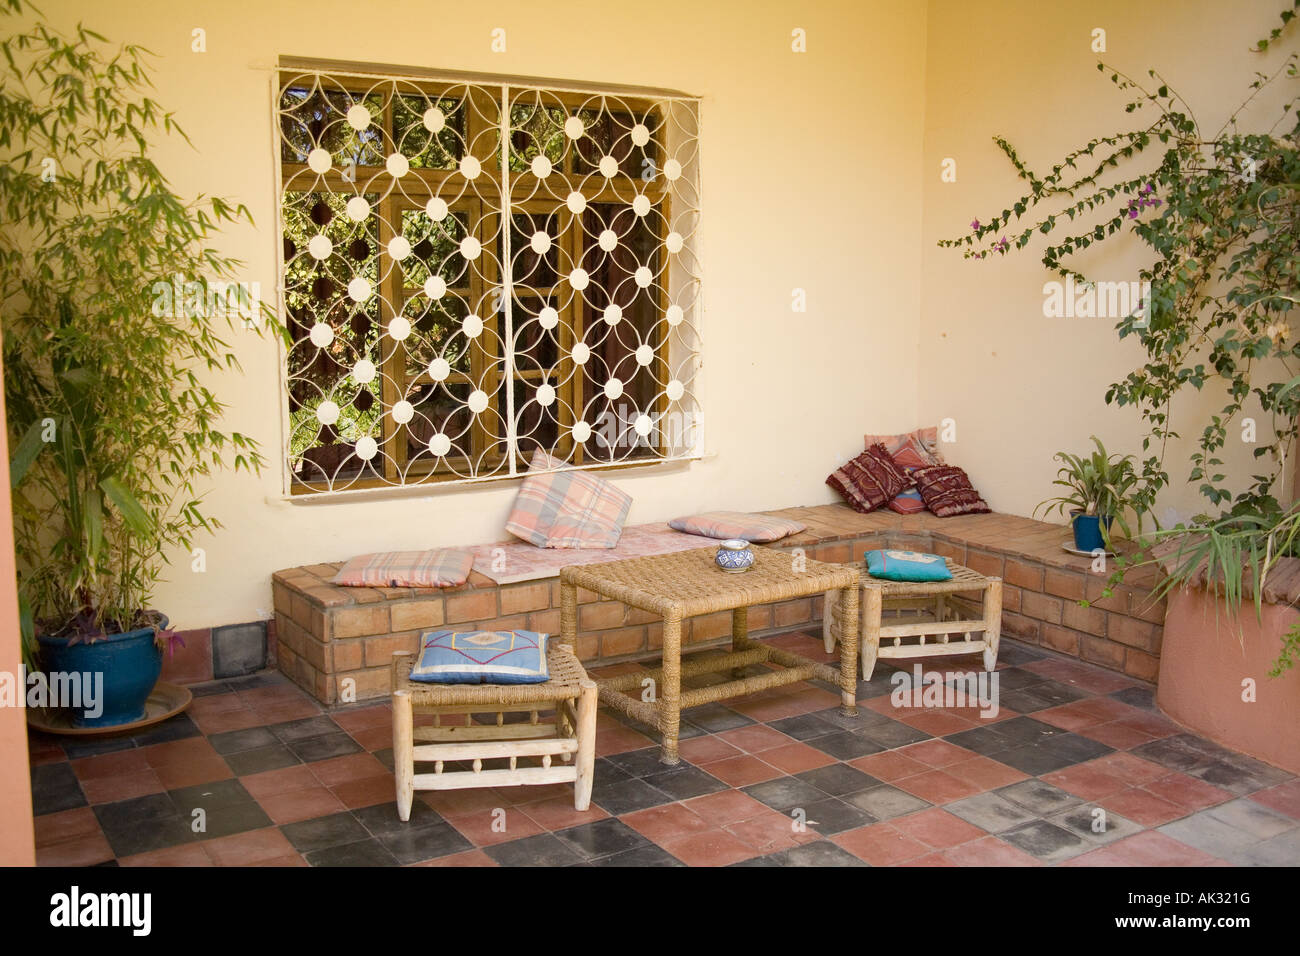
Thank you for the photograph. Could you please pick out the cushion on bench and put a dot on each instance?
(559, 506)
(439, 568)
(737, 524)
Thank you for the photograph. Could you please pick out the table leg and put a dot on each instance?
(871, 630)
(670, 689)
(739, 636)
(849, 651)
(569, 616)
(992, 622)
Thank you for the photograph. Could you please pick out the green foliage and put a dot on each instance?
(1100, 484)
(111, 428)
(1225, 270)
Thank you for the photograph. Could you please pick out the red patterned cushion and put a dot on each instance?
(947, 491)
(908, 503)
(868, 481)
(916, 449)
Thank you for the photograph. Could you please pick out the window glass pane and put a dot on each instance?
(535, 130)
(315, 117)
(413, 116)
(609, 133)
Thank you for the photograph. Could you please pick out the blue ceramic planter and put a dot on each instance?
(1087, 531)
(117, 674)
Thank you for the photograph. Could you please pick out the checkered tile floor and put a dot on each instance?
(1077, 769)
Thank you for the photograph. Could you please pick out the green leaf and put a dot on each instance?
(127, 506)
(29, 447)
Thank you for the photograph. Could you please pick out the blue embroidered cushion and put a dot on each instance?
(907, 566)
(481, 657)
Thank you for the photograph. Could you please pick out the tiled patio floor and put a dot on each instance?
(280, 782)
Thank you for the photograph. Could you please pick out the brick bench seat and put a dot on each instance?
(337, 643)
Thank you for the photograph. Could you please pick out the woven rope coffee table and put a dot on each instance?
(688, 583)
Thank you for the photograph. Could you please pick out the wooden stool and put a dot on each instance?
(923, 611)
(572, 730)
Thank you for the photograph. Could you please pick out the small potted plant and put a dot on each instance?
(113, 433)
(1100, 491)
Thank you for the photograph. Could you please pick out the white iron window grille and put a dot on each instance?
(475, 271)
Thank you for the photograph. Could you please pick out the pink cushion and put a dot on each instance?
(439, 568)
(910, 451)
(737, 524)
(559, 506)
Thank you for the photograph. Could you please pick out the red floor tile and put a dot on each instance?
(340, 770)
(124, 787)
(241, 718)
(1284, 798)
(990, 851)
(796, 757)
(936, 786)
(931, 859)
(726, 806)
(1189, 792)
(755, 738)
(558, 813)
(985, 773)
(465, 858)
(1144, 807)
(699, 750)
(771, 832)
(246, 849)
(462, 802)
(665, 824)
(1153, 724)
(1086, 780)
(289, 859)
(54, 828)
(937, 828)
(711, 848)
(1148, 848)
(85, 850)
(937, 722)
(296, 805)
(110, 765)
(1116, 735)
(880, 844)
(620, 741)
(187, 854)
(742, 771)
(272, 782)
(487, 828)
(366, 792)
(374, 738)
(1132, 769)
(936, 754)
(888, 765)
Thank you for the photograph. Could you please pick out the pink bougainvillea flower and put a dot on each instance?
(975, 224)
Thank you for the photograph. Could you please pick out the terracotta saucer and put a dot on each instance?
(167, 700)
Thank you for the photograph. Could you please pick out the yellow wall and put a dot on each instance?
(825, 143)
(1020, 386)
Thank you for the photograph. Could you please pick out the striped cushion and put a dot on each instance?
(868, 481)
(559, 506)
(737, 524)
(481, 657)
(915, 449)
(440, 568)
(947, 491)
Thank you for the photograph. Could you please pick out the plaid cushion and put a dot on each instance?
(947, 491)
(559, 506)
(481, 657)
(737, 524)
(440, 568)
(868, 481)
(915, 449)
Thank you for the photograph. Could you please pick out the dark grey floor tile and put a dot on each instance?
(1240, 775)
(785, 793)
(1281, 850)
(602, 838)
(307, 727)
(1172, 753)
(838, 779)
(422, 841)
(1024, 730)
(648, 855)
(641, 763)
(336, 829)
(1211, 835)
(1016, 654)
(382, 819)
(211, 689)
(618, 797)
(685, 781)
(324, 747)
(832, 815)
(805, 726)
(1254, 818)
(363, 853)
(847, 745)
(230, 819)
(237, 741)
(1075, 747)
(544, 849)
(269, 678)
(1023, 700)
(1016, 678)
(1034, 759)
(715, 718)
(180, 727)
(210, 796)
(385, 757)
(1038, 797)
(248, 762)
(1046, 841)
(142, 824)
(1143, 697)
(855, 723)
(984, 741)
(991, 812)
(818, 853)
(1094, 824)
(884, 802)
(77, 747)
(55, 787)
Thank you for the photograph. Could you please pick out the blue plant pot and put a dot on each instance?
(1087, 531)
(734, 555)
(119, 670)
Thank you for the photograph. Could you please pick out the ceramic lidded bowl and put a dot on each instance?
(734, 555)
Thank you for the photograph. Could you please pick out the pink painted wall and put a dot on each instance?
(17, 841)
(1203, 663)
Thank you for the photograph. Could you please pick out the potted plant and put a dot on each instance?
(1100, 491)
(112, 430)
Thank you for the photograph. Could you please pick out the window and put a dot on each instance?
(474, 271)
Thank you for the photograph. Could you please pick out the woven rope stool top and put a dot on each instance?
(963, 579)
(689, 583)
(567, 676)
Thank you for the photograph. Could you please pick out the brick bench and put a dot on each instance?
(337, 643)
